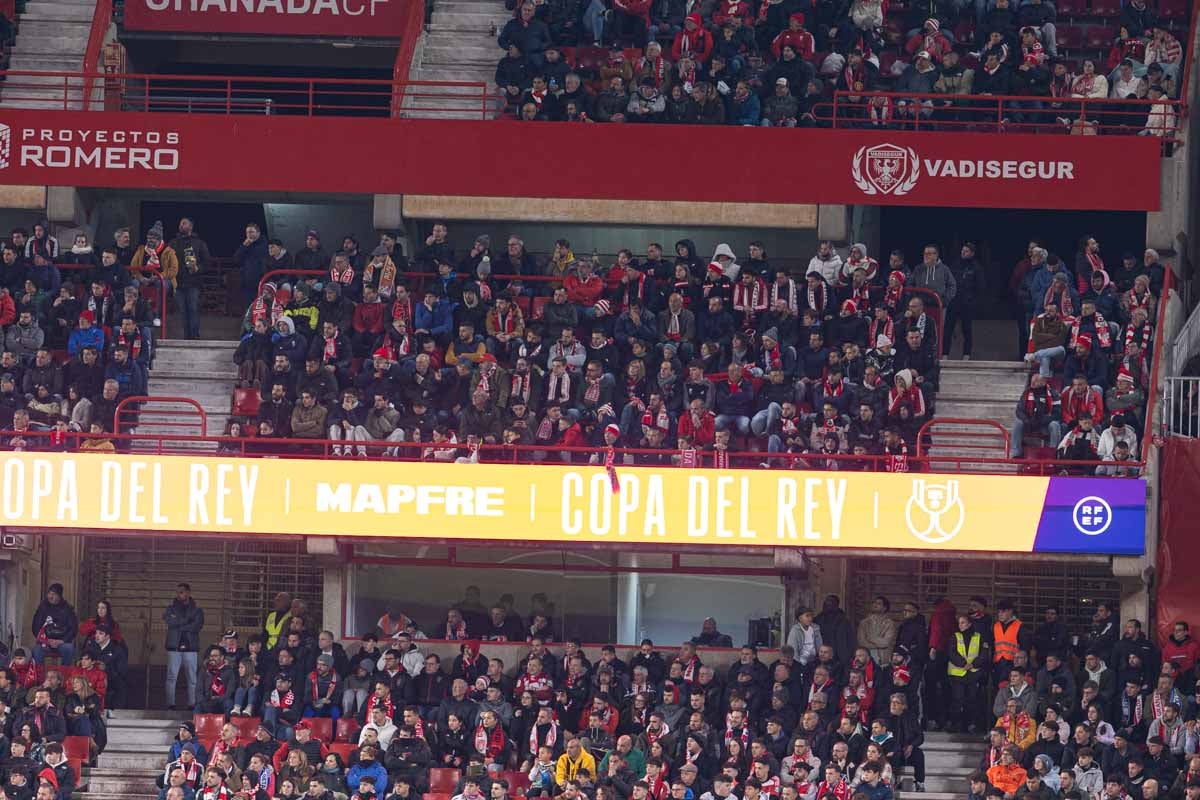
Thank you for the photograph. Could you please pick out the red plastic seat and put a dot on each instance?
(245, 726)
(1072, 8)
(321, 727)
(443, 779)
(1098, 36)
(1070, 36)
(343, 749)
(246, 402)
(632, 54)
(518, 782)
(568, 54)
(347, 730)
(539, 307)
(77, 768)
(522, 302)
(76, 747)
(590, 58)
(1106, 8)
(208, 725)
(964, 32)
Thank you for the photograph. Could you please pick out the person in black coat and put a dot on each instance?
(55, 626)
(836, 629)
(909, 737)
(45, 720)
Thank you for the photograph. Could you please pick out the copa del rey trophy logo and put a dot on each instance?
(935, 511)
(885, 169)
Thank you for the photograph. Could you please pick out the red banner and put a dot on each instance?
(334, 18)
(512, 159)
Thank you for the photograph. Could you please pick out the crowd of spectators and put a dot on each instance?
(1091, 714)
(1091, 336)
(78, 330)
(676, 354)
(778, 62)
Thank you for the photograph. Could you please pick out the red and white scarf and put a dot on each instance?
(456, 632)
(817, 300)
(785, 291)
(490, 745)
(548, 740)
(329, 352)
(344, 277)
(1103, 336)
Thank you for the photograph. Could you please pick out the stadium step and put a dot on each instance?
(458, 46)
(977, 390)
(201, 370)
(138, 742)
(53, 36)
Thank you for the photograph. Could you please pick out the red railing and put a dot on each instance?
(143, 411)
(1152, 398)
(219, 94)
(272, 447)
(416, 283)
(976, 440)
(101, 20)
(991, 113)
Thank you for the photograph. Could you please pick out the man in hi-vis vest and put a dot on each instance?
(967, 668)
(1008, 636)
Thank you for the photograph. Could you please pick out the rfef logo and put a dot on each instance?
(1092, 515)
(890, 169)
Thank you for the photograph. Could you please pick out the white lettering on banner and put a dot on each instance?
(77, 148)
(316, 8)
(891, 169)
(638, 500)
(392, 498)
(1007, 170)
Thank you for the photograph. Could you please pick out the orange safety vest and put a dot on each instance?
(1005, 641)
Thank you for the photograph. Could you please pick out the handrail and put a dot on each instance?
(123, 408)
(1157, 361)
(101, 20)
(414, 29)
(851, 109)
(960, 421)
(278, 447)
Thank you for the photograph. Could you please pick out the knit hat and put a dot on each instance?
(613, 429)
(156, 230)
(89, 315)
(798, 17)
(188, 726)
(379, 250)
(313, 233)
(325, 659)
(1123, 374)
(882, 340)
(57, 588)
(381, 353)
(715, 266)
(488, 357)
(772, 334)
(932, 22)
(1084, 340)
(367, 665)
(851, 306)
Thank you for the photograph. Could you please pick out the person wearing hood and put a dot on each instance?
(1103, 293)
(967, 276)
(686, 249)
(724, 256)
(848, 326)
(289, 344)
(859, 258)
(933, 274)
(312, 255)
(194, 260)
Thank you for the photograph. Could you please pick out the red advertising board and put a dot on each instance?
(512, 159)
(366, 18)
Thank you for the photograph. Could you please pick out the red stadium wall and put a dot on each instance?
(1178, 592)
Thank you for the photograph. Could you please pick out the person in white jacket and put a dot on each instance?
(724, 256)
(1118, 431)
(804, 637)
(827, 262)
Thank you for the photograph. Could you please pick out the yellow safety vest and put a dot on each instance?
(969, 652)
(273, 629)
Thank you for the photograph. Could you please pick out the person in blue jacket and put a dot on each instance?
(433, 317)
(286, 342)
(87, 334)
(368, 768)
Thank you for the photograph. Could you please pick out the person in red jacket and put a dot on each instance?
(583, 287)
(8, 308)
(368, 322)
(1078, 400)
(930, 39)
(943, 621)
(1181, 649)
(795, 35)
(693, 41)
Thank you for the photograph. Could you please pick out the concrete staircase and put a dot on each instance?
(200, 370)
(138, 742)
(457, 46)
(53, 36)
(949, 759)
(984, 390)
